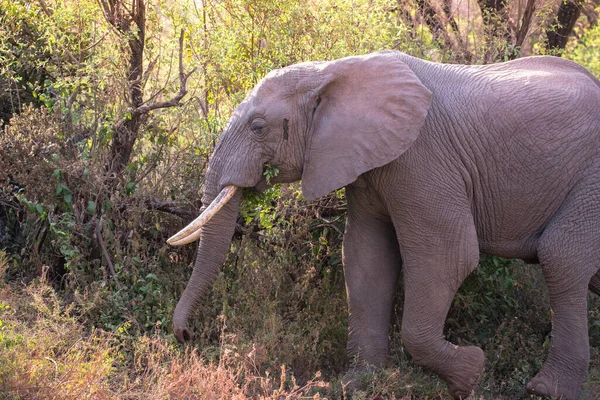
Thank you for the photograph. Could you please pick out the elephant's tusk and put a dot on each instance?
(187, 239)
(193, 231)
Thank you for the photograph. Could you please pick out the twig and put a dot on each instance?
(73, 96)
(128, 311)
(329, 224)
(183, 77)
(169, 207)
(111, 268)
(95, 43)
(149, 71)
(55, 365)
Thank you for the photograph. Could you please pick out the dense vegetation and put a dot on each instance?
(109, 111)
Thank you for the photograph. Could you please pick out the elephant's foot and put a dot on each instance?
(353, 379)
(550, 385)
(465, 371)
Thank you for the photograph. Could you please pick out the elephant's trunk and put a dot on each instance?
(214, 245)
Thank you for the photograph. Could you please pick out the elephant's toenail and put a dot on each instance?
(540, 388)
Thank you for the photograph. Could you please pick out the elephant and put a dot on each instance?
(439, 162)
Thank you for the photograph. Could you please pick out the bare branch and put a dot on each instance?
(437, 16)
(44, 7)
(181, 72)
(94, 44)
(73, 97)
(109, 13)
(148, 71)
(169, 207)
(183, 77)
(327, 223)
(111, 267)
(164, 87)
(590, 12)
(525, 23)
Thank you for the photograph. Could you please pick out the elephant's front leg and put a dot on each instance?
(371, 267)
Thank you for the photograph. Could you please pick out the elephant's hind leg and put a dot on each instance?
(594, 285)
(433, 271)
(568, 251)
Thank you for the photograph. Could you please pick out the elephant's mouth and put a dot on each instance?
(193, 231)
(261, 186)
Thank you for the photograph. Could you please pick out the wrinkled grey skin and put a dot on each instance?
(439, 162)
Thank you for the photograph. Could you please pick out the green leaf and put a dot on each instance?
(91, 207)
(152, 276)
(130, 188)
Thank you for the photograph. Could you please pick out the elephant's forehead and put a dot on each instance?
(265, 87)
(278, 82)
(272, 82)
(255, 102)
(266, 90)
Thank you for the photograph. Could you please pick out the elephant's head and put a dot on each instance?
(323, 122)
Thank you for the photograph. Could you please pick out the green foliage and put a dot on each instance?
(242, 40)
(503, 308)
(42, 49)
(585, 51)
(489, 290)
(260, 207)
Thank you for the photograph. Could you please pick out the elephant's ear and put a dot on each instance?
(366, 112)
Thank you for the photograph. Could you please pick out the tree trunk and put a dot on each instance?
(558, 33)
(524, 27)
(126, 131)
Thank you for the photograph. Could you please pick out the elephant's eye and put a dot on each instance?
(257, 127)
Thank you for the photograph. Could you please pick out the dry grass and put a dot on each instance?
(47, 354)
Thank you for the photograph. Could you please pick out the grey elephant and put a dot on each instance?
(440, 162)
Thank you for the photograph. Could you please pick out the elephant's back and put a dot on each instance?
(523, 134)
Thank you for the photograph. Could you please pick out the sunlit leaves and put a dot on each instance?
(586, 50)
